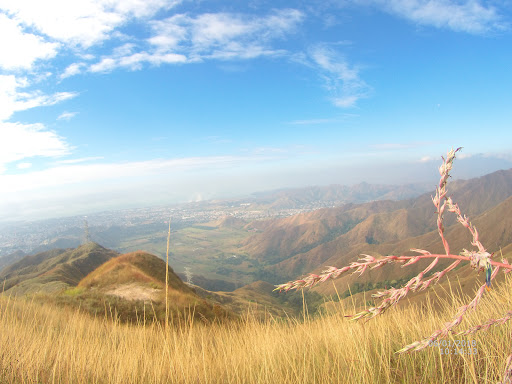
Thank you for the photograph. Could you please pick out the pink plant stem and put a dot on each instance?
(333, 273)
(480, 260)
(443, 256)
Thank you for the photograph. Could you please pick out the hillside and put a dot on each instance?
(255, 297)
(9, 259)
(494, 227)
(55, 270)
(138, 266)
(307, 242)
(93, 278)
(136, 280)
(230, 253)
(135, 276)
(260, 300)
(280, 239)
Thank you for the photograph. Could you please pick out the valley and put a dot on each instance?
(226, 253)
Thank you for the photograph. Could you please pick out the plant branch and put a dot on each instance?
(480, 260)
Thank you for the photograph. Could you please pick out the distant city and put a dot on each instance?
(27, 236)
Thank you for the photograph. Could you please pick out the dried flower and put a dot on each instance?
(479, 259)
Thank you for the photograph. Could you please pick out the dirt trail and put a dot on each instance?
(134, 291)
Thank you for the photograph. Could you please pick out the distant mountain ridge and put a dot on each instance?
(336, 194)
(54, 270)
(11, 258)
(307, 242)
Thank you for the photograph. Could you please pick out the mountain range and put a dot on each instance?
(275, 250)
(293, 246)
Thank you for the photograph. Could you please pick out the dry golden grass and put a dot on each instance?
(43, 343)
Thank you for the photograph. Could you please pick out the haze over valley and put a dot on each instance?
(225, 245)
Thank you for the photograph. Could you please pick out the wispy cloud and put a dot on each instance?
(340, 78)
(69, 172)
(219, 36)
(471, 16)
(135, 61)
(81, 23)
(67, 115)
(223, 34)
(14, 96)
(81, 160)
(27, 141)
(106, 64)
(72, 70)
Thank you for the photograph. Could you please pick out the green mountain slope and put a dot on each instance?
(55, 270)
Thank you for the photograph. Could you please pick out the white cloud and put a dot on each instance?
(340, 79)
(22, 141)
(19, 50)
(72, 70)
(84, 22)
(14, 97)
(24, 165)
(92, 173)
(67, 115)
(426, 159)
(105, 65)
(221, 36)
(224, 34)
(468, 155)
(463, 16)
(135, 61)
(81, 160)
(346, 101)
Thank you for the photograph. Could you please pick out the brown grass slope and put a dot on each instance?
(48, 344)
(309, 229)
(132, 281)
(474, 196)
(136, 267)
(376, 229)
(283, 238)
(256, 298)
(301, 243)
(54, 270)
(494, 227)
(11, 258)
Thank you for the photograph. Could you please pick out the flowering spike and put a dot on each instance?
(479, 259)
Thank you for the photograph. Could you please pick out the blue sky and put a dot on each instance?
(115, 103)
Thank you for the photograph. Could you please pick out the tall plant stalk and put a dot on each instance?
(167, 278)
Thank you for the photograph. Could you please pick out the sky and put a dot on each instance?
(107, 104)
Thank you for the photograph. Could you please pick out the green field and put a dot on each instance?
(209, 251)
